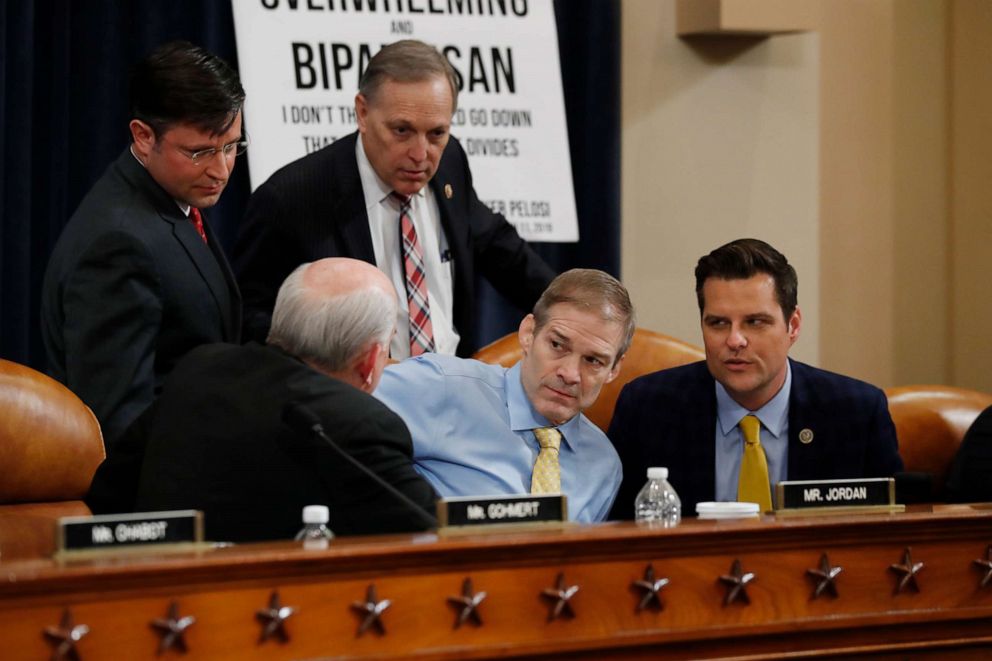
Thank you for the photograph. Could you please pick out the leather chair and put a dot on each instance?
(649, 352)
(930, 423)
(50, 447)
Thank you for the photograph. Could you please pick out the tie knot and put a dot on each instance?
(402, 200)
(751, 427)
(548, 437)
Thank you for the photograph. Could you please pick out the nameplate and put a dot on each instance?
(114, 531)
(491, 510)
(810, 494)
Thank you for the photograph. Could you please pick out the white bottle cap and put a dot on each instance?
(656, 473)
(316, 514)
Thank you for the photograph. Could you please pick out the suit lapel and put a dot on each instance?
(232, 320)
(206, 265)
(804, 459)
(349, 205)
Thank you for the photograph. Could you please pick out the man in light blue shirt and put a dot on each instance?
(473, 424)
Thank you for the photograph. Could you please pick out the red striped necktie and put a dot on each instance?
(421, 330)
(194, 215)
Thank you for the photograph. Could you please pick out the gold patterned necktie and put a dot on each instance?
(752, 485)
(547, 471)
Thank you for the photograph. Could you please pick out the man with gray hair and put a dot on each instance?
(216, 439)
(482, 430)
(397, 193)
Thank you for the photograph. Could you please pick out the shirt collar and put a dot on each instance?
(774, 415)
(182, 206)
(373, 187)
(523, 416)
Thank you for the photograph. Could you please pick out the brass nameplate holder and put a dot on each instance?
(117, 532)
(471, 513)
(862, 496)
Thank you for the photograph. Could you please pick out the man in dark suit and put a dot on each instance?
(138, 278)
(216, 439)
(808, 423)
(349, 199)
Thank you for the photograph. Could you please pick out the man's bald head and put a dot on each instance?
(329, 312)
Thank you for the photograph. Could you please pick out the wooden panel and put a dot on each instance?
(744, 17)
(117, 598)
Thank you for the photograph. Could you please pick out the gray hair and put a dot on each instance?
(330, 331)
(592, 290)
(407, 61)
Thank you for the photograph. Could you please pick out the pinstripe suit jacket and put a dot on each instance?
(314, 208)
(668, 418)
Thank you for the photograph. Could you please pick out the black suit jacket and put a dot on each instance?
(129, 289)
(314, 208)
(969, 479)
(215, 441)
(668, 418)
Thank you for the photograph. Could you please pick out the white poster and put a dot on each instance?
(300, 61)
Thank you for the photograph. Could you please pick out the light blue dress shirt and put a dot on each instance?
(472, 425)
(774, 417)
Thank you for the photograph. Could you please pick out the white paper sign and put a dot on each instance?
(300, 61)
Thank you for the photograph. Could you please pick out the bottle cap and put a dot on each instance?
(316, 514)
(656, 473)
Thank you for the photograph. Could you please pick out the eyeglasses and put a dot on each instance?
(229, 150)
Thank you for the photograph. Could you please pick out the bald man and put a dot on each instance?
(215, 440)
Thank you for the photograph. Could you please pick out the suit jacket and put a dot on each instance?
(215, 441)
(314, 208)
(129, 289)
(668, 418)
(969, 479)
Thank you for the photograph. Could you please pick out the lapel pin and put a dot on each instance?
(448, 191)
(806, 436)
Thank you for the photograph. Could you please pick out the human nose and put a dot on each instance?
(418, 149)
(220, 164)
(736, 340)
(568, 370)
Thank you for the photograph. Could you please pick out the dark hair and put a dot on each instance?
(592, 290)
(744, 258)
(407, 61)
(182, 83)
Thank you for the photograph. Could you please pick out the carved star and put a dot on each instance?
(562, 596)
(736, 582)
(909, 570)
(171, 628)
(469, 603)
(372, 609)
(987, 565)
(652, 587)
(274, 617)
(65, 636)
(825, 576)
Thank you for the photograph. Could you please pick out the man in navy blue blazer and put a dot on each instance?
(814, 424)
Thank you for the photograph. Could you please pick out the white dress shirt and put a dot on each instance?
(384, 224)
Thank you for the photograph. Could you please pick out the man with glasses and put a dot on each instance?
(138, 278)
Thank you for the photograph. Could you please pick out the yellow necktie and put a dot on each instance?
(547, 471)
(752, 485)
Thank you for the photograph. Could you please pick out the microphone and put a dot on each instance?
(301, 418)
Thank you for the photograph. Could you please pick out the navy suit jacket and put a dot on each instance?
(130, 288)
(668, 418)
(314, 208)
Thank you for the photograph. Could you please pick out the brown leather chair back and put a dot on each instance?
(930, 423)
(649, 352)
(50, 442)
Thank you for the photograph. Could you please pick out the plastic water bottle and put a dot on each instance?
(657, 503)
(315, 533)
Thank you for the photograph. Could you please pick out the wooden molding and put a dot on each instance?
(744, 17)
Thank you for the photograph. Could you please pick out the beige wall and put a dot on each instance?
(861, 150)
(971, 198)
(719, 142)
